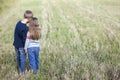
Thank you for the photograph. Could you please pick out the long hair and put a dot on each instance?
(35, 31)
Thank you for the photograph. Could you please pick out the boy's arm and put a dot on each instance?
(27, 42)
(24, 34)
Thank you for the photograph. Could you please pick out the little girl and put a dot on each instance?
(32, 45)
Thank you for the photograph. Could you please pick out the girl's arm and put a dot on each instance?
(27, 42)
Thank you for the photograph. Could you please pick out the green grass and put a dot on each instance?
(4, 5)
(80, 39)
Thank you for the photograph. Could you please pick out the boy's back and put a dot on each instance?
(20, 34)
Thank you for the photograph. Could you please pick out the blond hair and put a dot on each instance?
(35, 31)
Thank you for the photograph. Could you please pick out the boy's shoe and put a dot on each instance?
(22, 74)
(31, 71)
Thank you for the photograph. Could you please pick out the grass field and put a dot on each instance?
(80, 39)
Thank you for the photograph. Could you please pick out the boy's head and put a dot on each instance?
(28, 15)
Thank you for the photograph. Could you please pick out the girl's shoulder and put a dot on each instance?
(28, 32)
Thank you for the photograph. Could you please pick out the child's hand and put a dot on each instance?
(26, 51)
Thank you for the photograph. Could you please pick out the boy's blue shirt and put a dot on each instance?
(20, 33)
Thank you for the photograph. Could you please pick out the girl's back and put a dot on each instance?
(33, 35)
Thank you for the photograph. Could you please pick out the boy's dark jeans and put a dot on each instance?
(20, 59)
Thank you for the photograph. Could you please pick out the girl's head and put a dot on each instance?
(34, 29)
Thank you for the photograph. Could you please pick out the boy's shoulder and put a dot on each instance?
(20, 24)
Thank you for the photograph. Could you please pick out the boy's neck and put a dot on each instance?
(24, 21)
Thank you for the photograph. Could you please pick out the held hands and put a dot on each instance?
(26, 51)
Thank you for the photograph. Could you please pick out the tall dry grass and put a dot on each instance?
(80, 39)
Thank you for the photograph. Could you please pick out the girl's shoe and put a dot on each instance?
(34, 72)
